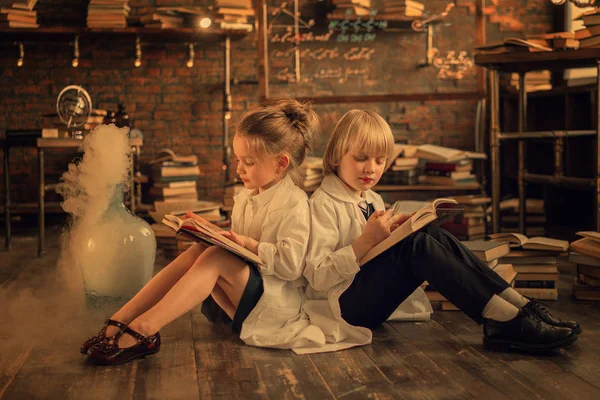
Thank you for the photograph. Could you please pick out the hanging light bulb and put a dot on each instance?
(205, 22)
(21, 54)
(191, 54)
(138, 52)
(75, 61)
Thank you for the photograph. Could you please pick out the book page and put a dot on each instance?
(510, 237)
(595, 236)
(544, 242)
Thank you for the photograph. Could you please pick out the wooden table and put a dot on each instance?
(32, 139)
(522, 62)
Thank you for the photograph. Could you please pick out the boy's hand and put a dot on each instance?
(398, 220)
(378, 226)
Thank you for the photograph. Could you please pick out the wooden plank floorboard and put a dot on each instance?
(225, 369)
(12, 358)
(542, 373)
(350, 374)
(171, 373)
(473, 371)
(411, 372)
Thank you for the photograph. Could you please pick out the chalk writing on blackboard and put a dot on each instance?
(322, 53)
(340, 74)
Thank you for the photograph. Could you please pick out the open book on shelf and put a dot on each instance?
(533, 243)
(422, 217)
(209, 233)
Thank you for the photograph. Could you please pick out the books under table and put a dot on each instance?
(422, 217)
(209, 233)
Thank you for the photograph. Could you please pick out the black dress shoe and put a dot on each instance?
(540, 310)
(525, 332)
(94, 340)
(109, 352)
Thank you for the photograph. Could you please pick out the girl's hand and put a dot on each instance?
(191, 215)
(234, 237)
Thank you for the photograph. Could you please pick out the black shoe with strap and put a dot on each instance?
(542, 312)
(94, 340)
(108, 352)
(526, 332)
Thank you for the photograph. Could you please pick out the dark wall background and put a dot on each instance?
(181, 108)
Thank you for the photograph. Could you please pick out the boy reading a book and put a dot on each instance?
(270, 218)
(346, 297)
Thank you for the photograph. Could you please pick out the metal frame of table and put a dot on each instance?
(29, 139)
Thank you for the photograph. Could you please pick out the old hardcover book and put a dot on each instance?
(209, 233)
(425, 215)
(587, 246)
(534, 243)
(487, 250)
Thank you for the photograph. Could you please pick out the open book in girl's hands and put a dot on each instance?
(197, 230)
(423, 215)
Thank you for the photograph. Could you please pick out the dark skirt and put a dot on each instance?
(252, 293)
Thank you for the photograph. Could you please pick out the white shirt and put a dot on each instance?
(279, 220)
(336, 222)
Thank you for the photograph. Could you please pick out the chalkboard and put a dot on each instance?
(367, 55)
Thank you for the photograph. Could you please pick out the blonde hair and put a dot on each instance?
(286, 127)
(360, 130)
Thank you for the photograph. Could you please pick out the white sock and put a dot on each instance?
(513, 297)
(498, 309)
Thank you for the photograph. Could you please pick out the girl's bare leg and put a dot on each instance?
(220, 297)
(158, 286)
(215, 264)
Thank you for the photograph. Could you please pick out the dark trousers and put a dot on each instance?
(431, 255)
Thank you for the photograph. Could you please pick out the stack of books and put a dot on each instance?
(171, 244)
(209, 210)
(405, 169)
(471, 224)
(586, 254)
(108, 13)
(535, 217)
(350, 9)
(400, 9)
(536, 261)
(174, 176)
(489, 252)
(20, 15)
(234, 14)
(447, 166)
(534, 81)
(311, 172)
(162, 20)
(589, 35)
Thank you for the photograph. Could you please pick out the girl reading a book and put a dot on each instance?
(348, 219)
(270, 218)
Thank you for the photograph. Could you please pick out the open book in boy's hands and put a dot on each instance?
(423, 215)
(198, 230)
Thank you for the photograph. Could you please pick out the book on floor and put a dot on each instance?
(487, 250)
(422, 217)
(209, 233)
(586, 246)
(534, 243)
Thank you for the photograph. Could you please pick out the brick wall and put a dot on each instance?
(180, 107)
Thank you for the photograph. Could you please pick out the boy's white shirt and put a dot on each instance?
(280, 222)
(336, 222)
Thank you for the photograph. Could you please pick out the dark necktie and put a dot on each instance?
(368, 210)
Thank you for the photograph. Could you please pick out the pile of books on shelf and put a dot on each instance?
(405, 169)
(534, 81)
(350, 9)
(400, 9)
(311, 172)
(511, 45)
(108, 13)
(471, 223)
(535, 217)
(447, 166)
(490, 252)
(536, 261)
(162, 20)
(588, 34)
(174, 176)
(19, 15)
(585, 253)
(234, 14)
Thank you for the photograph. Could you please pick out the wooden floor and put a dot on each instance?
(44, 322)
